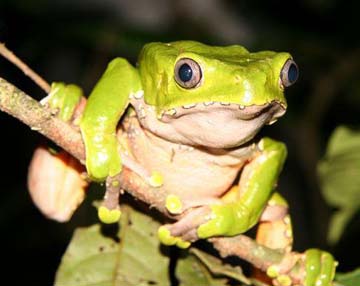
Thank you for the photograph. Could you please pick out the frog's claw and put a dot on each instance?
(109, 211)
(108, 216)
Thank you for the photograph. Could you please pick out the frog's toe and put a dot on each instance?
(166, 238)
(173, 204)
(156, 179)
(108, 216)
(320, 268)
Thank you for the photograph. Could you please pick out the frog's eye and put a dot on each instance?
(289, 73)
(187, 73)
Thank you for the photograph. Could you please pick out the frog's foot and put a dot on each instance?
(185, 230)
(63, 98)
(312, 268)
(109, 211)
(222, 219)
(319, 267)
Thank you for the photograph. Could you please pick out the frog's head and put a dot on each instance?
(211, 96)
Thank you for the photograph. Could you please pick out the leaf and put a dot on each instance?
(217, 267)
(92, 259)
(200, 268)
(339, 174)
(141, 261)
(89, 259)
(190, 271)
(348, 279)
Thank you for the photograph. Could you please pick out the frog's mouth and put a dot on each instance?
(210, 124)
(274, 109)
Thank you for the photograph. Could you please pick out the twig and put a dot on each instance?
(19, 105)
(10, 56)
(40, 118)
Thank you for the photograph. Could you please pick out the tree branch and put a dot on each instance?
(10, 56)
(41, 119)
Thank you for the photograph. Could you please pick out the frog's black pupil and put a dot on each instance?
(185, 72)
(293, 73)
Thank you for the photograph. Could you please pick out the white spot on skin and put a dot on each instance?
(286, 220)
(288, 233)
(102, 157)
(209, 103)
(160, 115)
(248, 92)
(141, 113)
(171, 112)
(272, 121)
(271, 203)
(188, 106)
(139, 94)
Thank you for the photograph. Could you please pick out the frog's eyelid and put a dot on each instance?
(186, 67)
(289, 73)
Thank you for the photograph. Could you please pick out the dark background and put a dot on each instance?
(72, 40)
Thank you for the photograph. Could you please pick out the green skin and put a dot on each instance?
(212, 123)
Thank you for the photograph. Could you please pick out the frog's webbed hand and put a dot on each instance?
(236, 213)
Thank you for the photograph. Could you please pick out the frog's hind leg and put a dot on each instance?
(56, 183)
(274, 231)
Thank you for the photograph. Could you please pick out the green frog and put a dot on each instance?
(189, 114)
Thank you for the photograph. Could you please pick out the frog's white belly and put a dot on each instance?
(189, 173)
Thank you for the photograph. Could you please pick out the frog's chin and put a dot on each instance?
(214, 125)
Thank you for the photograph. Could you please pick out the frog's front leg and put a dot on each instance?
(236, 216)
(105, 106)
(275, 231)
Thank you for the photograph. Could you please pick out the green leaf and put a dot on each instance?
(92, 259)
(339, 174)
(190, 271)
(141, 261)
(197, 267)
(348, 279)
(217, 267)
